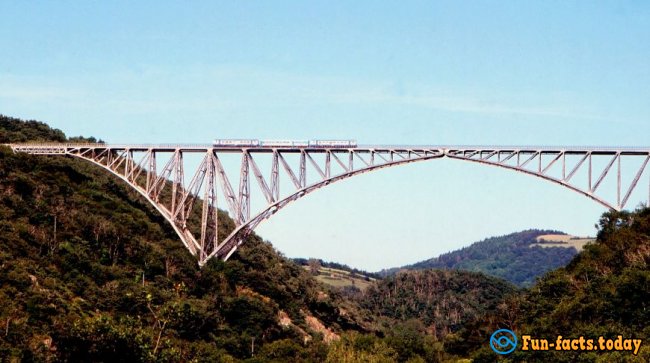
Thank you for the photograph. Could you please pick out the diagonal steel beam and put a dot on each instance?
(507, 157)
(260, 180)
(287, 168)
(605, 172)
(318, 169)
(340, 162)
(231, 199)
(634, 182)
(530, 158)
(576, 168)
(552, 162)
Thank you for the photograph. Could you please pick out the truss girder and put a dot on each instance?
(545, 159)
(157, 172)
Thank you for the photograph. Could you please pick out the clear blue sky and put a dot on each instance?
(407, 72)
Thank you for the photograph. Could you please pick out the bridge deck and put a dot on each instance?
(58, 148)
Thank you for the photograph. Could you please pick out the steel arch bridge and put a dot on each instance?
(151, 169)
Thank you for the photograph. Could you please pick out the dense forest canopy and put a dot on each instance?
(514, 257)
(16, 130)
(441, 300)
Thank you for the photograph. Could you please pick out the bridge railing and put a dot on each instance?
(370, 146)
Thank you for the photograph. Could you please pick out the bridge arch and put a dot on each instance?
(241, 231)
(210, 182)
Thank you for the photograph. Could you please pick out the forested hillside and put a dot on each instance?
(16, 130)
(512, 257)
(441, 300)
(90, 272)
(603, 291)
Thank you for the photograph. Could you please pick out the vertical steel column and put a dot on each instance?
(618, 183)
(590, 189)
(127, 163)
(303, 169)
(275, 183)
(151, 173)
(244, 190)
(174, 171)
(178, 185)
(209, 214)
(328, 167)
(215, 200)
(351, 159)
(109, 157)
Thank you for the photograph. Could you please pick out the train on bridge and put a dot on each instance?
(284, 143)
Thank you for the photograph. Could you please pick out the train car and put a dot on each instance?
(333, 143)
(236, 142)
(283, 143)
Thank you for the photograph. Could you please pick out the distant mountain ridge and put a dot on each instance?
(516, 257)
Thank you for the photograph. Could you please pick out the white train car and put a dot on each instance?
(304, 143)
(283, 143)
(235, 142)
(333, 143)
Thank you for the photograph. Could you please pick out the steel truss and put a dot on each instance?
(210, 186)
(554, 164)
